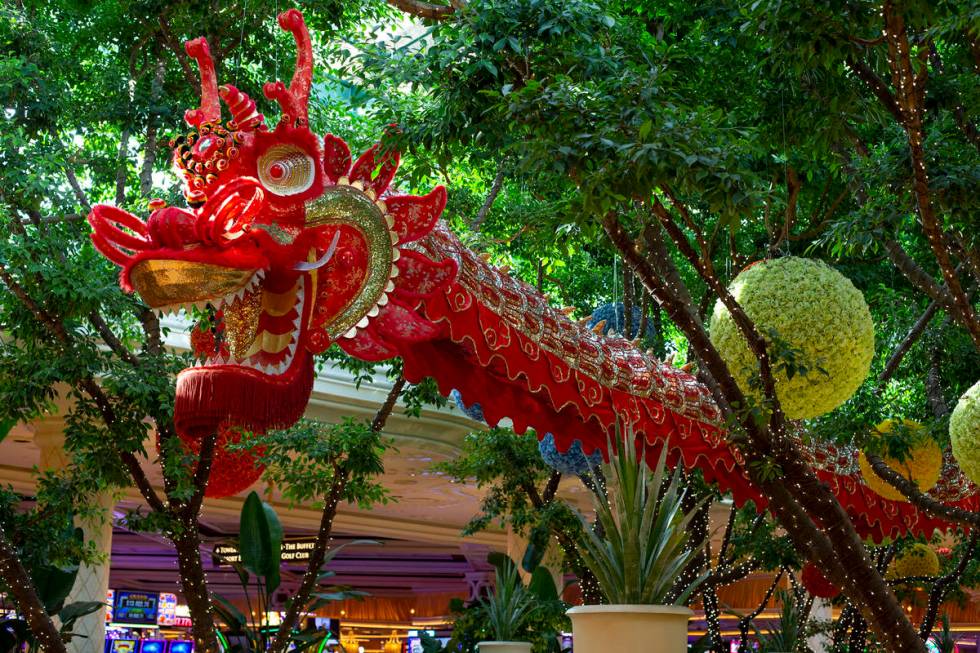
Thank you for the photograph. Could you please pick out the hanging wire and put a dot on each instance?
(275, 33)
(241, 42)
(784, 240)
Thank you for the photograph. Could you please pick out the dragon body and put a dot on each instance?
(293, 245)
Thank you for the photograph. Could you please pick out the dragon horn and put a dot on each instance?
(242, 108)
(294, 100)
(210, 110)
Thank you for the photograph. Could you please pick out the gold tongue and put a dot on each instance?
(241, 322)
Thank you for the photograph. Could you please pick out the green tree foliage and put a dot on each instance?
(772, 125)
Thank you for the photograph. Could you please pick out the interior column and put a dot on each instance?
(92, 582)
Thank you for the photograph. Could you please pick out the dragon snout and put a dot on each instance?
(225, 216)
(172, 228)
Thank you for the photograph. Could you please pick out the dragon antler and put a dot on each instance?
(294, 99)
(210, 110)
(242, 108)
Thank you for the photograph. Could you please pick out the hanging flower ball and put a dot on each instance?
(231, 471)
(917, 560)
(964, 432)
(816, 583)
(922, 465)
(815, 310)
(474, 411)
(574, 461)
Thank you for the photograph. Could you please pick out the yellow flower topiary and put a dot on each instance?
(917, 560)
(922, 465)
(964, 431)
(816, 310)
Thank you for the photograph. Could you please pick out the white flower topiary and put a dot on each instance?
(816, 310)
(964, 432)
(915, 561)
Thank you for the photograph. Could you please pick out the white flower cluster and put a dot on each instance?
(815, 310)
(964, 432)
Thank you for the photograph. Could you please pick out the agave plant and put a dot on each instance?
(509, 605)
(944, 640)
(645, 547)
(788, 636)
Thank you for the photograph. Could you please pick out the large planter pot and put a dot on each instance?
(607, 628)
(504, 647)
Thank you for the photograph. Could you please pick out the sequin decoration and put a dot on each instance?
(163, 282)
(241, 320)
(351, 207)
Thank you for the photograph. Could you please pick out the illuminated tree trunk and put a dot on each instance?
(798, 499)
(195, 589)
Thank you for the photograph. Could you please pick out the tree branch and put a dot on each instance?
(110, 339)
(933, 385)
(551, 488)
(201, 475)
(835, 545)
(939, 590)
(919, 277)
(381, 417)
(498, 184)
(918, 498)
(89, 385)
(891, 366)
(745, 620)
(911, 87)
(745, 325)
(171, 43)
(423, 9)
(121, 167)
(18, 582)
(877, 86)
(142, 482)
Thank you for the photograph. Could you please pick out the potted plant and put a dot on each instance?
(638, 560)
(506, 609)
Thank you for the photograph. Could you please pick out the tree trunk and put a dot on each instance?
(840, 553)
(341, 477)
(20, 585)
(712, 612)
(798, 500)
(302, 596)
(194, 585)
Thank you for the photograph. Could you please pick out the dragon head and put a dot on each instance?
(286, 244)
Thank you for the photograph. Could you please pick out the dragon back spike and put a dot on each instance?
(210, 110)
(294, 100)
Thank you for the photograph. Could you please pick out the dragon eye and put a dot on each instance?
(286, 170)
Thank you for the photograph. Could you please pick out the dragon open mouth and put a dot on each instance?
(262, 328)
(256, 374)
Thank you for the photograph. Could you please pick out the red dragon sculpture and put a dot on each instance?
(294, 247)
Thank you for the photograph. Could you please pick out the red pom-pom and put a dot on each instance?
(817, 584)
(231, 471)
